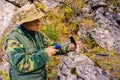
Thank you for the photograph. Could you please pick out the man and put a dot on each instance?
(27, 48)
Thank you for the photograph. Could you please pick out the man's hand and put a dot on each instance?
(72, 46)
(51, 51)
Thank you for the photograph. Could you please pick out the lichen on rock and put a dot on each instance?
(74, 66)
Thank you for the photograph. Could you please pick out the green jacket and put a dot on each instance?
(27, 55)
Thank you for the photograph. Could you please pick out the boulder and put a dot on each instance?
(7, 12)
(18, 3)
(48, 3)
(107, 21)
(107, 33)
(76, 66)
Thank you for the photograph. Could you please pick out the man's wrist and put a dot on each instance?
(47, 53)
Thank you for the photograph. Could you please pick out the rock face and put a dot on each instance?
(48, 3)
(107, 33)
(107, 20)
(6, 14)
(18, 3)
(76, 66)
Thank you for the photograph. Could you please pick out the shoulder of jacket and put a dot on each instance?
(14, 33)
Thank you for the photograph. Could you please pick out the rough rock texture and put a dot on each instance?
(18, 3)
(107, 33)
(76, 66)
(48, 3)
(107, 20)
(6, 14)
(51, 3)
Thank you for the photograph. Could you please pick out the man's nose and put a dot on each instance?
(38, 21)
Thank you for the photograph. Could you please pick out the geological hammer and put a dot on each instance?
(72, 40)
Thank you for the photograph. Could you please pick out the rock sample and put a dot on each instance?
(74, 66)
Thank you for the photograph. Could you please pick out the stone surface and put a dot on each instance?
(18, 3)
(7, 12)
(74, 66)
(48, 3)
(107, 31)
(51, 3)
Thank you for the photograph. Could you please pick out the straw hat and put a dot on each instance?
(30, 12)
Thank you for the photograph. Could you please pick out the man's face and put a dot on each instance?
(33, 25)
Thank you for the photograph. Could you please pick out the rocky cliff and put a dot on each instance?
(76, 66)
(105, 31)
(107, 22)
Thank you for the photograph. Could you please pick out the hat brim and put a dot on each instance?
(31, 18)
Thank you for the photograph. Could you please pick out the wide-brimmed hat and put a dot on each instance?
(30, 12)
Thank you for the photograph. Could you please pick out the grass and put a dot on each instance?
(89, 23)
(51, 32)
(4, 75)
(52, 66)
(110, 64)
(2, 39)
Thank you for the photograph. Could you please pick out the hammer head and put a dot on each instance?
(72, 40)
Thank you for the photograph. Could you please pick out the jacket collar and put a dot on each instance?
(27, 31)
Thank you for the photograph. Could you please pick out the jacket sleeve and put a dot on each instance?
(48, 42)
(25, 62)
